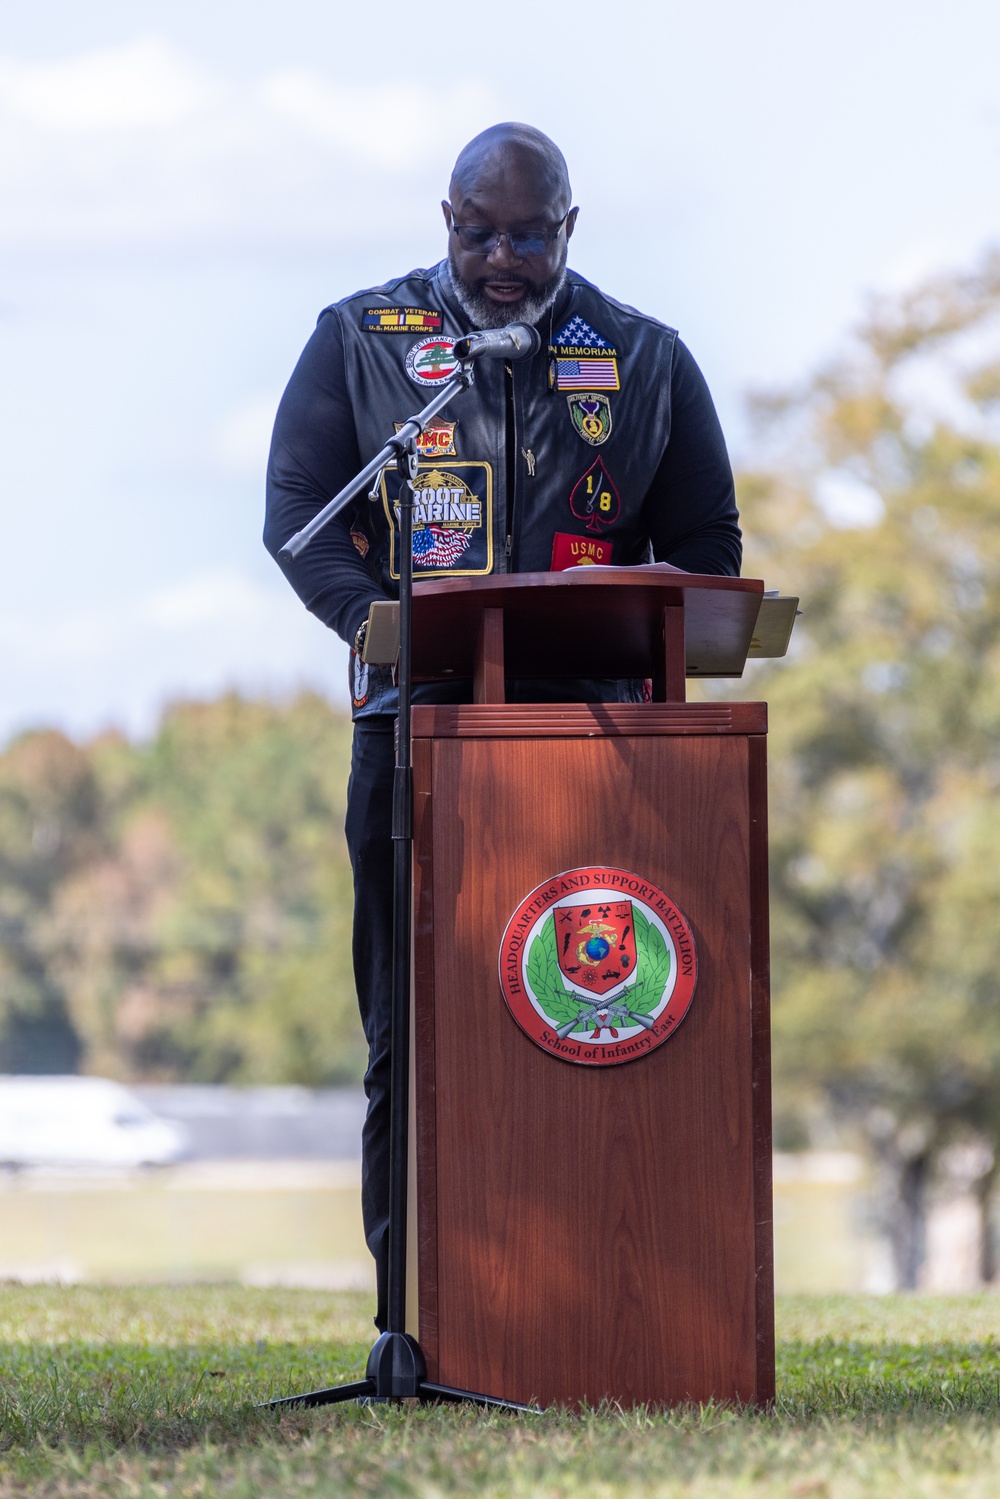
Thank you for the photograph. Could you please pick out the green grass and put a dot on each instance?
(150, 1392)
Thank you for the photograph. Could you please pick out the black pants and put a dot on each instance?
(369, 843)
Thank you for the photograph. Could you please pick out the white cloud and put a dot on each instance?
(145, 82)
(212, 598)
(139, 145)
(384, 124)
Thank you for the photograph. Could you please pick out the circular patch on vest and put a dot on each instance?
(431, 361)
(598, 966)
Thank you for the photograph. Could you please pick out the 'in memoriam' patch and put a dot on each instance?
(578, 340)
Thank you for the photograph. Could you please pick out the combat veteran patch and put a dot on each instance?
(431, 361)
(591, 414)
(579, 551)
(400, 320)
(595, 498)
(437, 440)
(452, 520)
(581, 359)
(598, 966)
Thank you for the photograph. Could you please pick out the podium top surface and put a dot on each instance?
(590, 622)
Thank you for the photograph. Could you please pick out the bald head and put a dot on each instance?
(512, 157)
(509, 222)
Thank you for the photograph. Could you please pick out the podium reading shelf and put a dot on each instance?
(591, 1195)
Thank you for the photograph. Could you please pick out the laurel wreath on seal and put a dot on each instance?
(561, 1005)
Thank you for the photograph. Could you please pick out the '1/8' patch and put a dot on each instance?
(594, 498)
(452, 520)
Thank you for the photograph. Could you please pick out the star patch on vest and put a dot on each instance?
(437, 440)
(591, 414)
(578, 337)
(581, 359)
(595, 498)
(400, 320)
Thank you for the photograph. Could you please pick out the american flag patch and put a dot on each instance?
(439, 546)
(585, 374)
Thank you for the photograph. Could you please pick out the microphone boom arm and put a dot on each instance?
(392, 450)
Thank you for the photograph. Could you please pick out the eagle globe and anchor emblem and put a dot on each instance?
(598, 966)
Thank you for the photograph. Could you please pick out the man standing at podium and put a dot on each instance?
(602, 448)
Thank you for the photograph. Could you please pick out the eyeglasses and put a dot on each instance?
(480, 241)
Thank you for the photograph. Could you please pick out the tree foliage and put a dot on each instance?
(885, 726)
(181, 909)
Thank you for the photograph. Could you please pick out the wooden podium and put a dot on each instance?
(584, 1231)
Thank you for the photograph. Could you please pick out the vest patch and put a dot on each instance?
(577, 339)
(582, 359)
(437, 440)
(431, 361)
(359, 680)
(400, 320)
(584, 374)
(579, 551)
(591, 417)
(595, 498)
(452, 520)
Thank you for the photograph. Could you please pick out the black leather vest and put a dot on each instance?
(544, 462)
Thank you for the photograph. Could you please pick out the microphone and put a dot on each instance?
(516, 341)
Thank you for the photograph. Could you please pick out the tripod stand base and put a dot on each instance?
(396, 1371)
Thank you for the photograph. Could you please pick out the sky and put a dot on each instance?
(184, 186)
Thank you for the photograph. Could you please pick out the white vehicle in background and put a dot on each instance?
(81, 1121)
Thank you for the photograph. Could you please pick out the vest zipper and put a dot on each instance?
(511, 462)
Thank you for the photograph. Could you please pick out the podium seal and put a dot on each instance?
(598, 966)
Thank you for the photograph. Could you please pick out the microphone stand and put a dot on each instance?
(396, 1369)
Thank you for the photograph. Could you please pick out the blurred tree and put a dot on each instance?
(50, 829)
(193, 917)
(877, 499)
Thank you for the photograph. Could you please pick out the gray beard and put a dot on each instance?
(484, 313)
